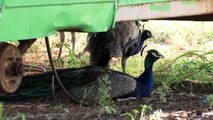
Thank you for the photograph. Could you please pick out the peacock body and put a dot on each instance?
(90, 83)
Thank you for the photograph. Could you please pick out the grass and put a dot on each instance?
(61, 107)
(18, 116)
(187, 47)
(210, 100)
(103, 96)
(134, 114)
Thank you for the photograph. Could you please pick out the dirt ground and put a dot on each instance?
(183, 103)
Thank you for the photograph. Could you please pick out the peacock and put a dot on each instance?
(145, 82)
(88, 84)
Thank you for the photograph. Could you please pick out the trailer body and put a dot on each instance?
(28, 19)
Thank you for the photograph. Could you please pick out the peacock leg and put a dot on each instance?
(123, 62)
(73, 40)
(62, 38)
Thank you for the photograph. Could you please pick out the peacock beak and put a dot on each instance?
(161, 56)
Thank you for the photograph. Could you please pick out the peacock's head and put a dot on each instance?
(147, 34)
(154, 55)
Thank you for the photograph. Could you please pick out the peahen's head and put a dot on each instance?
(146, 34)
(152, 56)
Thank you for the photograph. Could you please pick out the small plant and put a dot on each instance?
(61, 107)
(109, 109)
(66, 110)
(128, 114)
(19, 116)
(163, 90)
(210, 100)
(48, 117)
(87, 91)
(1, 111)
(144, 109)
(73, 60)
(135, 112)
(104, 90)
(156, 115)
(103, 97)
(193, 66)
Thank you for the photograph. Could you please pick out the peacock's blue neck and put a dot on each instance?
(145, 81)
(148, 64)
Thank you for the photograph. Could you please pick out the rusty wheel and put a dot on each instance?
(11, 68)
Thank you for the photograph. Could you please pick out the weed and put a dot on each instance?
(103, 97)
(1, 110)
(210, 100)
(191, 66)
(156, 115)
(66, 110)
(109, 109)
(144, 108)
(48, 117)
(19, 116)
(104, 90)
(72, 60)
(61, 107)
(187, 47)
(128, 114)
(163, 90)
(133, 115)
(87, 91)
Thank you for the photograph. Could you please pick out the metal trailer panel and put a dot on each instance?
(24, 19)
(201, 10)
(136, 2)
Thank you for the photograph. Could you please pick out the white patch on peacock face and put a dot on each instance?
(149, 34)
(155, 54)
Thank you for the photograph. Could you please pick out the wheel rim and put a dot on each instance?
(10, 68)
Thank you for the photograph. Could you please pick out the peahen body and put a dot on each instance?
(88, 83)
(125, 40)
(103, 46)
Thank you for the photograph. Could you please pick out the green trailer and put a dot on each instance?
(27, 20)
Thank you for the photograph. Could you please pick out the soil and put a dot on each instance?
(186, 101)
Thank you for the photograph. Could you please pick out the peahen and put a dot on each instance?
(103, 46)
(133, 47)
(87, 84)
